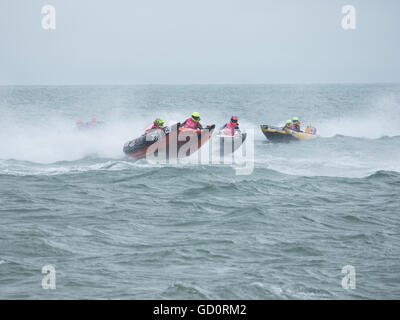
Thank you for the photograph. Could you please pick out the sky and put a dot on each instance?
(122, 42)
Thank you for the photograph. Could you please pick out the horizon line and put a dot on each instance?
(198, 84)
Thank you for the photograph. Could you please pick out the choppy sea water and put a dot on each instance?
(119, 229)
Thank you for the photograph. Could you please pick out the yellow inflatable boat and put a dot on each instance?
(276, 134)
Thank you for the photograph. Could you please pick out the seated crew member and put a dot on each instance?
(158, 124)
(296, 124)
(93, 123)
(193, 122)
(230, 127)
(288, 125)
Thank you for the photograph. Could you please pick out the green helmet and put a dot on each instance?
(159, 122)
(288, 121)
(295, 119)
(196, 116)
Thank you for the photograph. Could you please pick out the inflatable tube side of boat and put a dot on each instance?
(275, 134)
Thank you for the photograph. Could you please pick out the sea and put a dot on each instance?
(315, 219)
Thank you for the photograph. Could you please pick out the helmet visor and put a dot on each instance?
(160, 123)
(196, 119)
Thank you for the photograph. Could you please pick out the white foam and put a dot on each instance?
(28, 168)
(381, 120)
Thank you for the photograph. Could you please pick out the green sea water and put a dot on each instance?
(118, 229)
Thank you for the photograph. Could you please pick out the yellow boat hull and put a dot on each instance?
(275, 134)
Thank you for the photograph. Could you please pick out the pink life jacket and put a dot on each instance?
(229, 129)
(190, 124)
(153, 127)
(296, 126)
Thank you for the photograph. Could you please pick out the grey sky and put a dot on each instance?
(199, 41)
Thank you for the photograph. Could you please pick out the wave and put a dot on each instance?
(380, 120)
(382, 174)
(57, 141)
(273, 170)
(26, 168)
(340, 137)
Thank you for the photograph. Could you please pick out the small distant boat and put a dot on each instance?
(89, 125)
(277, 134)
